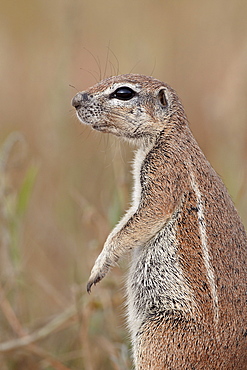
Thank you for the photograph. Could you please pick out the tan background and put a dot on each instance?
(63, 187)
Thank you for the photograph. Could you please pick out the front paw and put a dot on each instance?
(100, 269)
(93, 280)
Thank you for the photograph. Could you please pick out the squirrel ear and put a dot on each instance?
(162, 98)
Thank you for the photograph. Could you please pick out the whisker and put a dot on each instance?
(112, 71)
(97, 61)
(116, 59)
(153, 67)
(91, 74)
(73, 87)
(107, 60)
(134, 66)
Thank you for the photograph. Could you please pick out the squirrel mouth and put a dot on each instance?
(102, 128)
(106, 128)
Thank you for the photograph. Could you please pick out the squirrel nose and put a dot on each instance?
(78, 99)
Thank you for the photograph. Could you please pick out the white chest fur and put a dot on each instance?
(156, 281)
(137, 164)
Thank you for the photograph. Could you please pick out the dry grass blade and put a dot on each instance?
(55, 324)
(27, 340)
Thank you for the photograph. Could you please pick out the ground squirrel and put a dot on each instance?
(187, 284)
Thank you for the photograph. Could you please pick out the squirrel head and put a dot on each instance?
(135, 107)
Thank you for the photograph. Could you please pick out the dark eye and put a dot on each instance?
(123, 93)
(162, 97)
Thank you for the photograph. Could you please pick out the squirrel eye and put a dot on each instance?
(162, 98)
(123, 93)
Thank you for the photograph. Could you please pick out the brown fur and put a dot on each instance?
(187, 285)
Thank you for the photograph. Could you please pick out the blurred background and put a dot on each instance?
(63, 187)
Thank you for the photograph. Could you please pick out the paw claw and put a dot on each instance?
(93, 281)
(100, 269)
(89, 286)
